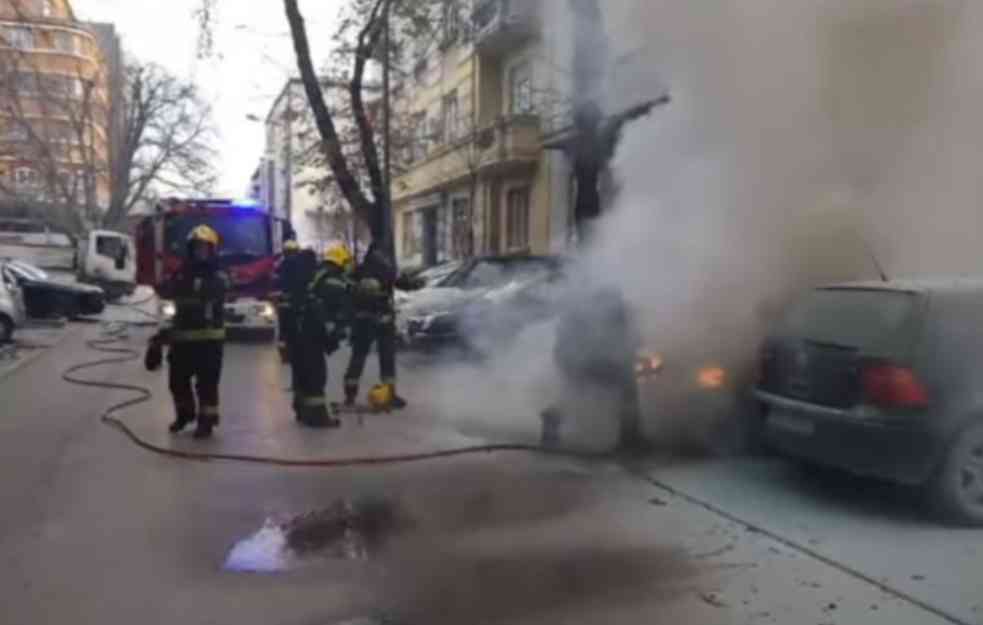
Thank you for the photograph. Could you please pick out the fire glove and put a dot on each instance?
(154, 357)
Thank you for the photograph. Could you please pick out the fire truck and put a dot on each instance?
(252, 241)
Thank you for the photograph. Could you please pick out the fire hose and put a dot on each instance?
(114, 334)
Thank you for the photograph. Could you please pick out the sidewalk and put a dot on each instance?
(29, 343)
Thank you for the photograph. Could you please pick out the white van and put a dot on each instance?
(107, 259)
(12, 311)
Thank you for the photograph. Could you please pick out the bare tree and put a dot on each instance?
(359, 38)
(168, 141)
(56, 124)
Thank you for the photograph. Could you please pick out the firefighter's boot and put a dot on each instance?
(183, 420)
(351, 392)
(207, 422)
(318, 417)
(205, 427)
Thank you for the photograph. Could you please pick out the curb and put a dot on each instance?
(36, 353)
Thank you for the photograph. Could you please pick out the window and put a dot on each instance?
(452, 23)
(15, 132)
(111, 247)
(65, 42)
(67, 181)
(420, 140)
(244, 238)
(26, 178)
(48, 8)
(19, 37)
(25, 83)
(451, 121)
(517, 218)
(461, 228)
(420, 69)
(520, 89)
(409, 235)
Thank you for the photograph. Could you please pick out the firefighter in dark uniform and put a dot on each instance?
(286, 319)
(296, 277)
(321, 324)
(197, 334)
(374, 322)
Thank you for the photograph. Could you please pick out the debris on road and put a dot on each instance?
(918, 578)
(655, 501)
(713, 599)
(345, 530)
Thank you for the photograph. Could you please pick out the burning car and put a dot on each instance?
(483, 303)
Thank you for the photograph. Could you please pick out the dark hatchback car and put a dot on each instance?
(483, 304)
(884, 380)
(46, 298)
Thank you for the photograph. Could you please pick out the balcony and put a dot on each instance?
(512, 144)
(509, 146)
(503, 25)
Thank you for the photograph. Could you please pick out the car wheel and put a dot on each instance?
(958, 486)
(6, 329)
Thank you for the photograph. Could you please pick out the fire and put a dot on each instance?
(711, 377)
(648, 365)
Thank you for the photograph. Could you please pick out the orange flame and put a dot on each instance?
(711, 377)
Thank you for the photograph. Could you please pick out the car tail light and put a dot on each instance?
(892, 386)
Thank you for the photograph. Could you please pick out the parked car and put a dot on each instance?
(45, 297)
(485, 302)
(883, 379)
(428, 278)
(12, 313)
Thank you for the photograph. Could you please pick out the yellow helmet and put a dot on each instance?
(291, 246)
(339, 254)
(381, 397)
(205, 234)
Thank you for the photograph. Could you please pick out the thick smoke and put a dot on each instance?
(802, 136)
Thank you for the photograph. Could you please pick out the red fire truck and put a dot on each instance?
(252, 240)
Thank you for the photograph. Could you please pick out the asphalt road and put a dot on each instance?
(96, 530)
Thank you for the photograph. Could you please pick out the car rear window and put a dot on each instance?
(851, 317)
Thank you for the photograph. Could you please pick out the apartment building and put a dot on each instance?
(296, 186)
(491, 105)
(475, 179)
(55, 106)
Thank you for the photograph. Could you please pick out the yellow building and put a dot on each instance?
(54, 106)
(475, 178)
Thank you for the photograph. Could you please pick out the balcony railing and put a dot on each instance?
(515, 140)
(500, 25)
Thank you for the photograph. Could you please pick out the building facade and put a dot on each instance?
(476, 179)
(292, 179)
(55, 107)
(489, 103)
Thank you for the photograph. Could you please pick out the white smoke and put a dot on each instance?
(801, 135)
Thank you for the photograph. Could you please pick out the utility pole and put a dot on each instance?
(389, 240)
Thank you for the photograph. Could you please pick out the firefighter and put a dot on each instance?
(374, 322)
(296, 277)
(287, 272)
(321, 325)
(197, 335)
